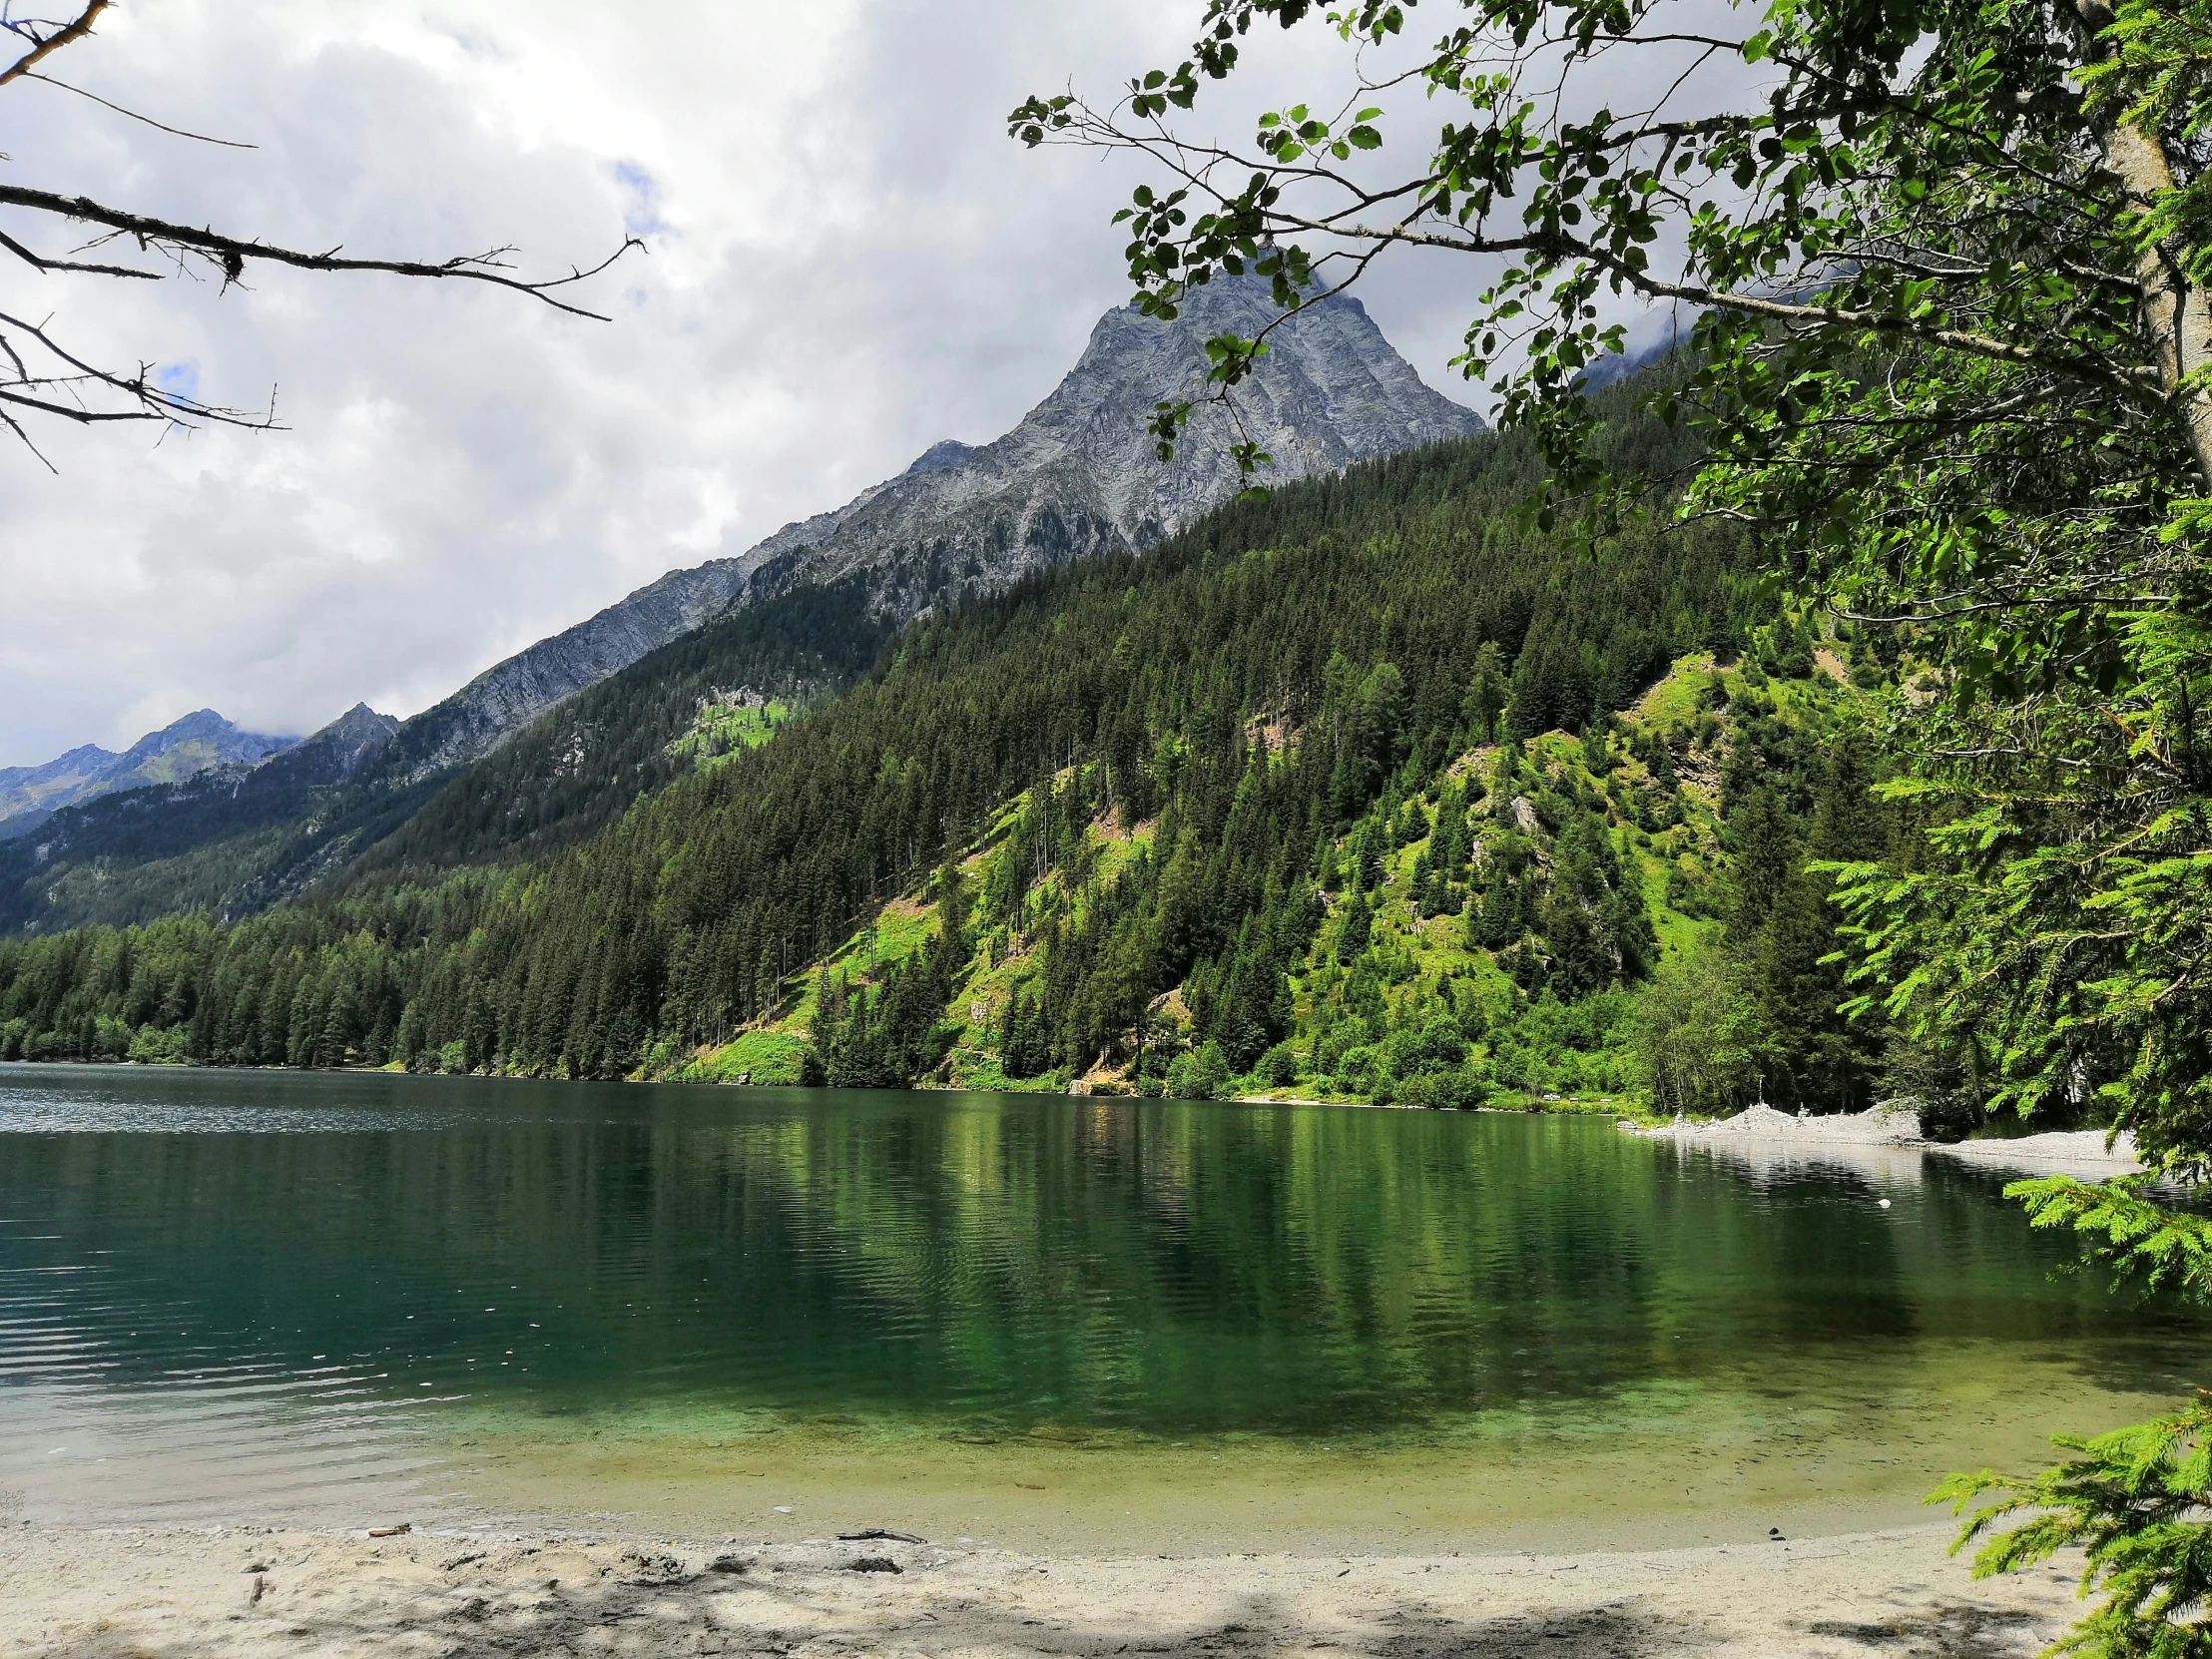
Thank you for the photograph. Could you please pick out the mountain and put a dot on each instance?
(338, 751)
(1368, 790)
(162, 847)
(181, 749)
(26, 789)
(1078, 475)
(798, 619)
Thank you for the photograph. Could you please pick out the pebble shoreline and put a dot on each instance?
(2067, 1152)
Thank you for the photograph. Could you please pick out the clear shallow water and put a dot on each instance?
(247, 1294)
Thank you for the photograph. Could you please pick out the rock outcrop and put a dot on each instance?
(1077, 477)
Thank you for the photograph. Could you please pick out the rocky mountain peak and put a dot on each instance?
(940, 457)
(339, 750)
(185, 747)
(1077, 476)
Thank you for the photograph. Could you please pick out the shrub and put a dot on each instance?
(156, 1047)
(1436, 1046)
(1357, 1070)
(1201, 1076)
(1449, 1091)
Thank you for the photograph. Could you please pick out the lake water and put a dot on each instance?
(1036, 1319)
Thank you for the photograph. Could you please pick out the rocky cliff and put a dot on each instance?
(1078, 475)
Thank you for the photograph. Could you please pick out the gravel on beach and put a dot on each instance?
(2071, 1152)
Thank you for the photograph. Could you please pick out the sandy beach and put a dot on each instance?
(150, 1594)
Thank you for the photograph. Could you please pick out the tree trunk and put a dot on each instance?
(2176, 316)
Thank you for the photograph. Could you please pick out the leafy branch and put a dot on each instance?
(2130, 1504)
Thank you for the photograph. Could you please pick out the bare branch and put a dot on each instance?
(149, 402)
(53, 43)
(42, 263)
(163, 126)
(16, 427)
(232, 254)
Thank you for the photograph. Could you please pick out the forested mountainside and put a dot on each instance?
(358, 796)
(1076, 477)
(681, 709)
(172, 848)
(1337, 786)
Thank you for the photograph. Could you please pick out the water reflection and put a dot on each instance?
(190, 1265)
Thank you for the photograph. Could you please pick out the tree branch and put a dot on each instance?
(53, 43)
(159, 126)
(2137, 382)
(153, 403)
(232, 254)
(42, 263)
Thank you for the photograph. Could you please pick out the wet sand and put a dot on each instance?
(152, 1594)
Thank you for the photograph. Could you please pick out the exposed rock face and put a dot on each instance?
(509, 695)
(1077, 477)
(1079, 474)
(185, 748)
(337, 752)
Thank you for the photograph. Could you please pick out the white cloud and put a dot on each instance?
(848, 260)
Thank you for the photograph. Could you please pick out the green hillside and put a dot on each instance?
(1501, 930)
(1368, 789)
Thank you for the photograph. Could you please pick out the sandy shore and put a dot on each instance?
(149, 1594)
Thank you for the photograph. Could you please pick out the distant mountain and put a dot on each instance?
(185, 748)
(73, 777)
(1077, 477)
(162, 847)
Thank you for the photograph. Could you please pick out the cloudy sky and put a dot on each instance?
(848, 262)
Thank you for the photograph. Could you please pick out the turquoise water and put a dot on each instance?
(284, 1295)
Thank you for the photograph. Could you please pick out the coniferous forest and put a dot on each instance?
(1368, 788)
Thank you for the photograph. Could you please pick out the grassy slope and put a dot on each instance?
(1430, 951)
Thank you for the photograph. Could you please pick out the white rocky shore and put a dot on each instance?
(1895, 1128)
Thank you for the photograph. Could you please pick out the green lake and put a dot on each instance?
(1044, 1322)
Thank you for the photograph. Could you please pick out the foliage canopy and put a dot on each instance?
(1950, 352)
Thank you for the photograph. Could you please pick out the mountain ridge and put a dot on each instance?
(184, 748)
(1076, 475)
